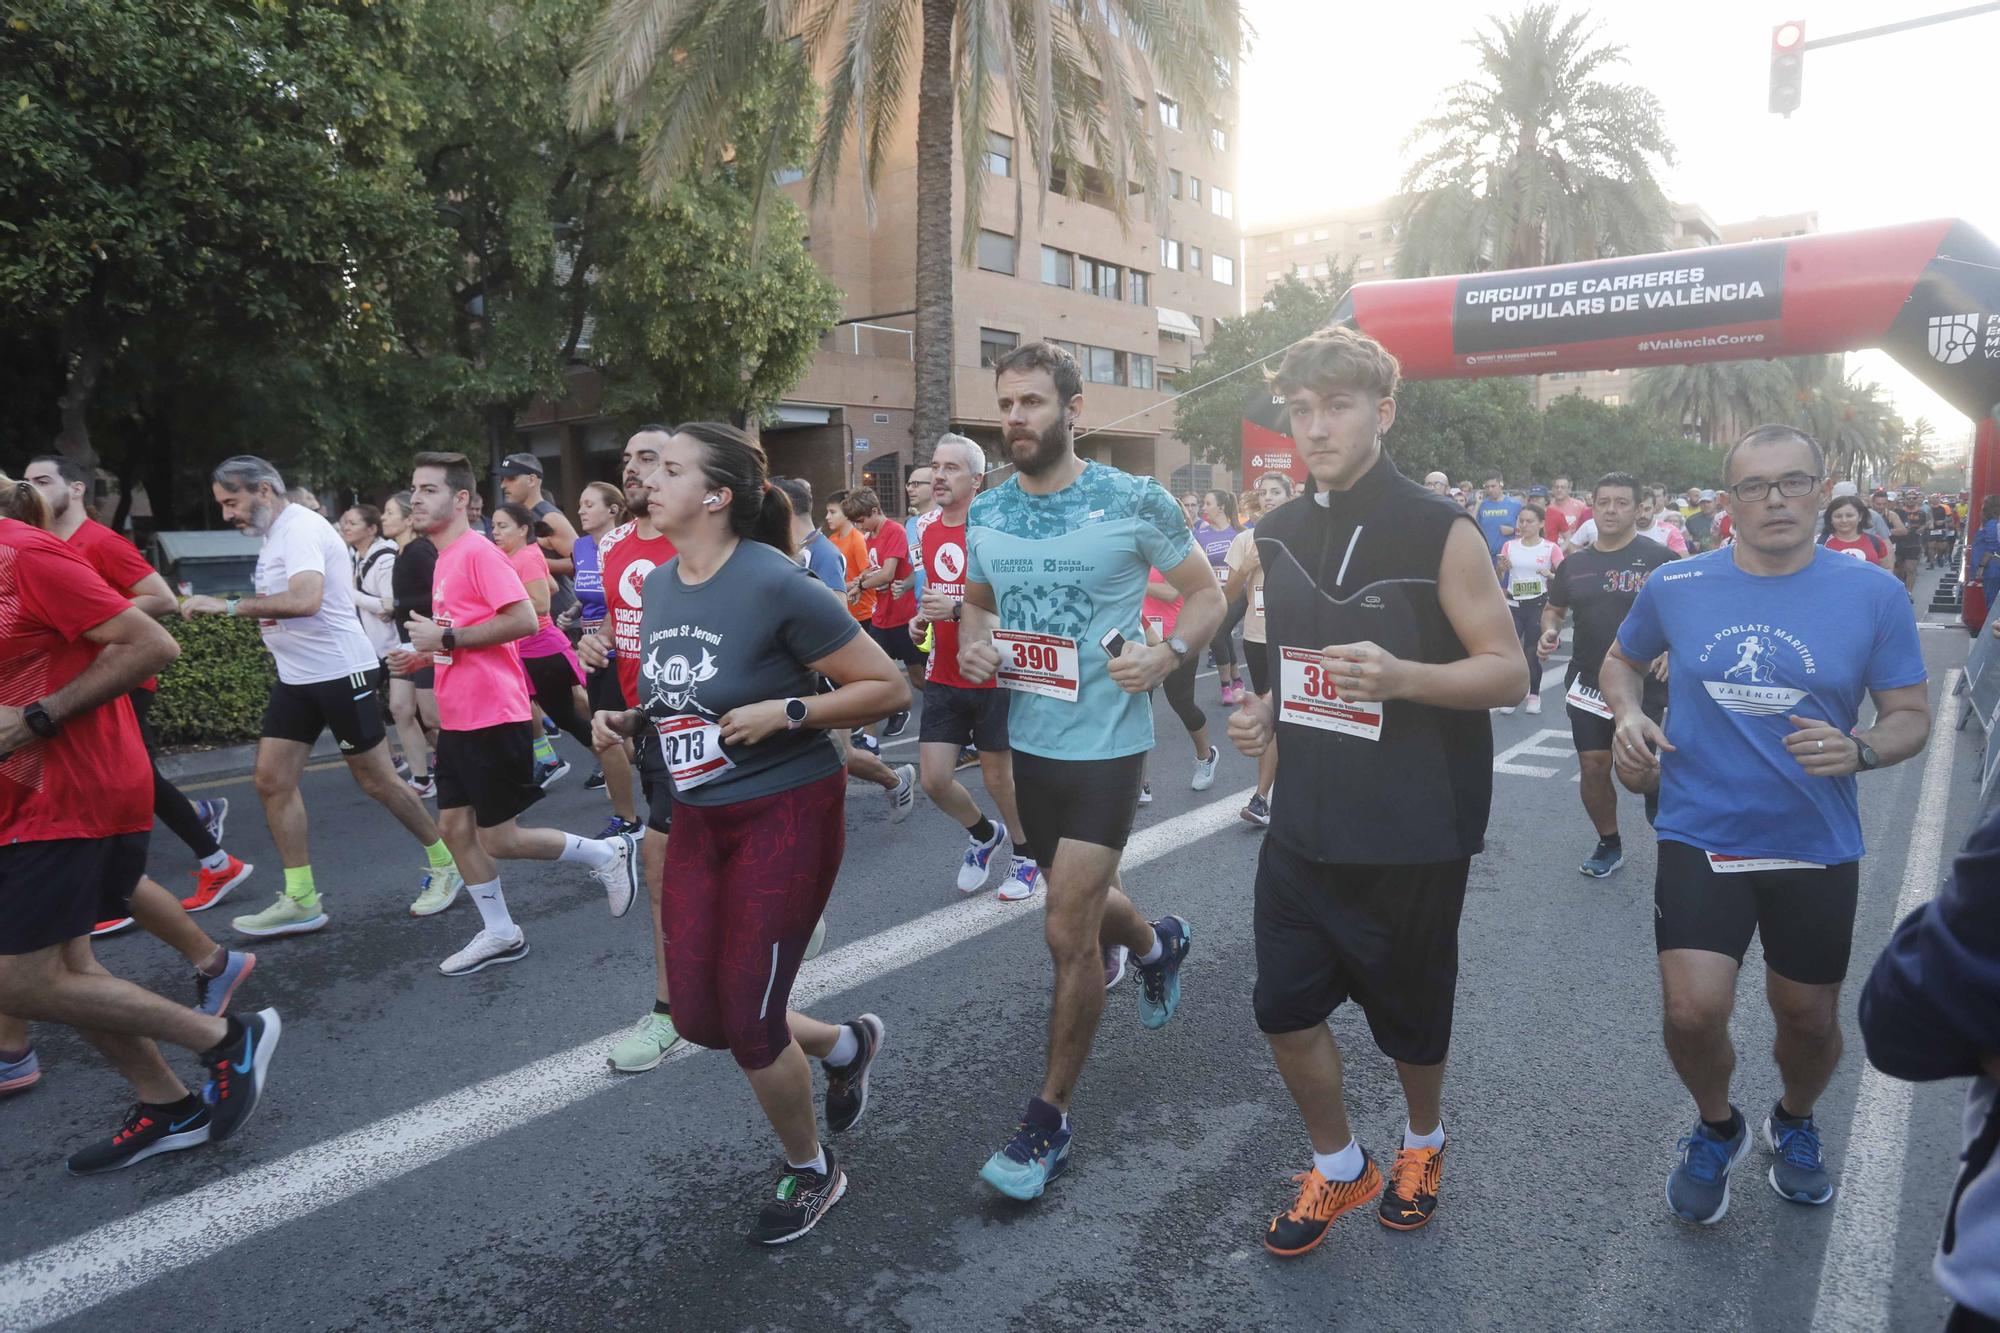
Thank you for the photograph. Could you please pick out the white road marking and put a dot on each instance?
(1855, 1275)
(80, 1273)
(1504, 762)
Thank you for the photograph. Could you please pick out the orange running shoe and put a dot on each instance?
(210, 886)
(1320, 1201)
(111, 927)
(1412, 1195)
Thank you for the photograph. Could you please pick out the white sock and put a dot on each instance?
(818, 1163)
(1154, 952)
(216, 862)
(590, 851)
(845, 1047)
(492, 905)
(1412, 1139)
(1347, 1164)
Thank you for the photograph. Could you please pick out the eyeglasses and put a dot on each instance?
(1791, 486)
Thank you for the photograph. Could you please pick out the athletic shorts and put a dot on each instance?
(601, 688)
(345, 706)
(1805, 917)
(491, 769)
(655, 783)
(425, 677)
(959, 715)
(1384, 936)
(1089, 800)
(1258, 657)
(1588, 731)
(743, 888)
(52, 892)
(896, 642)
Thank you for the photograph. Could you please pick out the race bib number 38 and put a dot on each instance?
(1307, 697)
(693, 747)
(1044, 664)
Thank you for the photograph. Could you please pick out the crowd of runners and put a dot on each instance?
(743, 645)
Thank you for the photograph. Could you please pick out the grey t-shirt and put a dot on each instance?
(742, 637)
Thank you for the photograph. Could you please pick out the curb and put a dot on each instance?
(230, 761)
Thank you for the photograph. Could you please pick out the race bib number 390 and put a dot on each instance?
(1307, 697)
(693, 747)
(1044, 664)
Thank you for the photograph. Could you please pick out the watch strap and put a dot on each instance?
(36, 715)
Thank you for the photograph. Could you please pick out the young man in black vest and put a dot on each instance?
(1389, 640)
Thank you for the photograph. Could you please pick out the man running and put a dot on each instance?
(1056, 567)
(521, 484)
(1496, 512)
(1774, 642)
(840, 530)
(485, 761)
(888, 561)
(327, 679)
(1601, 581)
(920, 492)
(1389, 641)
(1574, 510)
(958, 713)
(1910, 540)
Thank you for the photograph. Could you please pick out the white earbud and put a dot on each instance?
(712, 501)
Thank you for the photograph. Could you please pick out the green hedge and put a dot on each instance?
(215, 693)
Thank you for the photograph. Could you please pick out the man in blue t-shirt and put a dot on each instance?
(1773, 643)
(1496, 512)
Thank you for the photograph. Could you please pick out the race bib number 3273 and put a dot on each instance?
(1307, 697)
(693, 747)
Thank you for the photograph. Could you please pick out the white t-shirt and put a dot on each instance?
(1528, 568)
(328, 644)
(1584, 534)
(1664, 533)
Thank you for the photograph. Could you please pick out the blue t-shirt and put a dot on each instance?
(825, 562)
(913, 527)
(1075, 564)
(589, 577)
(1494, 515)
(1745, 653)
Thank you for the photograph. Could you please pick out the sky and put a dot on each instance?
(1889, 129)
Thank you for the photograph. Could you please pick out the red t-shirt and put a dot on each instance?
(1555, 523)
(93, 779)
(944, 569)
(1866, 546)
(888, 543)
(116, 560)
(627, 558)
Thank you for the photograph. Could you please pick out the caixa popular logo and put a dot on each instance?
(1956, 338)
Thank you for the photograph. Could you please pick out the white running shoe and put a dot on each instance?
(1145, 793)
(903, 796)
(1023, 878)
(621, 878)
(1534, 704)
(978, 862)
(485, 950)
(1204, 770)
(818, 940)
(1508, 710)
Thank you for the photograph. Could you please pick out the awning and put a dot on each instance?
(797, 414)
(1174, 321)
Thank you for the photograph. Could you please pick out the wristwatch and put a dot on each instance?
(956, 608)
(1179, 645)
(449, 641)
(795, 714)
(1865, 756)
(229, 606)
(38, 720)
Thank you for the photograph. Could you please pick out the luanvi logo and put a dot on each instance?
(1954, 338)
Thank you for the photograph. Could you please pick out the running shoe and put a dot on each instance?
(1145, 793)
(621, 877)
(1022, 877)
(1228, 691)
(903, 796)
(286, 916)
(147, 1132)
(647, 1046)
(237, 1069)
(847, 1085)
(1204, 770)
(1800, 1172)
(1160, 981)
(596, 780)
(401, 765)
(978, 860)
(547, 775)
(861, 740)
(211, 994)
(818, 940)
(438, 891)
(1320, 1203)
(111, 927)
(967, 757)
(1533, 706)
(483, 952)
(1412, 1195)
(213, 815)
(1258, 811)
(20, 1075)
(1608, 857)
(211, 886)
(1035, 1156)
(898, 723)
(1508, 711)
(1114, 964)
(801, 1200)
(1698, 1188)
(426, 788)
(615, 826)
(549, 727)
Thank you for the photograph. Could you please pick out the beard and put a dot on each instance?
(1037, 454)
(258, 521)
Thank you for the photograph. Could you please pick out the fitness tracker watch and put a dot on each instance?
(795, 714)
(38, 720)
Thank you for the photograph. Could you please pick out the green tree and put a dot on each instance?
(1210, 419)
(1716, 400)
(1583, 439)
(1075, 79)
(1467, 428)
(1539, 160)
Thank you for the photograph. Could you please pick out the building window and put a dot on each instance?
(1366, 235)
(1197, 325)
(1170, 113)
(1142, 371)
(1319, 233)
(1098, 278)
(1075, 352)
(787, 176)
(1173, 183)
(1104, 366)
(1056, 271)
(1612, 400)
(1365, 266)
(1223, 269)
(999, 154)
(1194, 259)
(1221, 203)
(1141, 287)
(996, 252)
(1322, 269)
(1192, 477)
(994, 344)
(1194, 189)
(1272, 247)
(1170, 253)
(1300, 238)
(1220, 138)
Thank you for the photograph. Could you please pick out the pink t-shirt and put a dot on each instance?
(531, 564)
(477, 687)
(1168, 614)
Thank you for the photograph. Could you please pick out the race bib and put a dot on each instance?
(693, 747)
(1156, 626)
(1743, 865)
(1526, 588)
(1257, 600)
(1582, 697)
(1308, 697)
(1044, 664)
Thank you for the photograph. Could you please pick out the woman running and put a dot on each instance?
(599, 509)
(1847, 532)
(1246, 581)
(1524, 565)
(1215, 532)
(375, 600)
(412, 698)
(1158, 615)
(734, 637)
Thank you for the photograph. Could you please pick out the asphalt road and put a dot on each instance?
(453, 1154)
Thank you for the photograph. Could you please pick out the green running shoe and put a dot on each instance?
(286, 916)
(440, 889)
(647, 1046)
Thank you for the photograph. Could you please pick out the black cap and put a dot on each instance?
(520, 465)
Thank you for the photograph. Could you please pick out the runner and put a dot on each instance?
(1246, 579)
(374, 559)
(413, 698)
(1701, 524)
(77, 806)
(1215, 532)
(1495, 512)
(326, 679)
(735, 641)
(1160, 615)
(1437, 483)
(1982, 560)
(1651, 526)
(1775, 643)
(1847, 532)
(1361, 881)
(1081, 720)
(521, 484)
(1943, 531)
(854, 549)
(889, 559)
(1600, 582)
(1572, 508)
(485, 774)
(1910, 540)
(599, 509)
(1526, 564)
(920, 493)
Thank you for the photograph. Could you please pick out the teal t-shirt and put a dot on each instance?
(1074, 564)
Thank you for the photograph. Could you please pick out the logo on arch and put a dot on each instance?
(634, 581)
(1954, 338)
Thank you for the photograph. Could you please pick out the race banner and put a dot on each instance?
(1267, 442)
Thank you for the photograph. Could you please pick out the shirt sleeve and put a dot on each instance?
(494, 579)
(1558, 586)
(1164, 538)
(1643, 637)
(975, 560)
(118, 561)
(62, 591)
(304, 554)
(894, 544)
(810, 623)
(1239, 550)
(1897, 657)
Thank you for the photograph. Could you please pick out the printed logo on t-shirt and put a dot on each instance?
(633, 582)
(1062, 609)
(1749, 685)
(673, 681)
(950, 561)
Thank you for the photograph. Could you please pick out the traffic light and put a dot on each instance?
(1788, 66)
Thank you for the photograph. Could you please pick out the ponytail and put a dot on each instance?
(758, 511)
(19, 500)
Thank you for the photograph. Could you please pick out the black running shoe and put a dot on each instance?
(898, 723)
(595, 782)
(236, 1070)
(847, 1086)
(148, 1131)
(801, 1200)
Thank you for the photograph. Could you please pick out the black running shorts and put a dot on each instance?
(958, 715)
(896, 642)
(1588, 731)
(1258, 657)
(1088, 800)
(1384, 936)
(1805, 917)
(491, 769)
(345, 706)
(655, 783)
(52, 892)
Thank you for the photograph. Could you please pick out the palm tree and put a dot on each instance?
(1715, 401)
(1538, 161)
(1076, 80)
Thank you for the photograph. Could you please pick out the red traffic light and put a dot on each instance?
(1788, 60)
(1787, 36)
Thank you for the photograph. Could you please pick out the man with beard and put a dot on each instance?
(327, 679)
(1057, 563)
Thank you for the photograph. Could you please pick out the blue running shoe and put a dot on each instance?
(211, 994)
(1698, 1189)
(549, 727)
(1160, 982)
(615, 826)
(978, 857)
(1608, 857)
(861, 740)
(1800, 1173)
(1036, 1155)
(20, 1075)
(213, 815)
